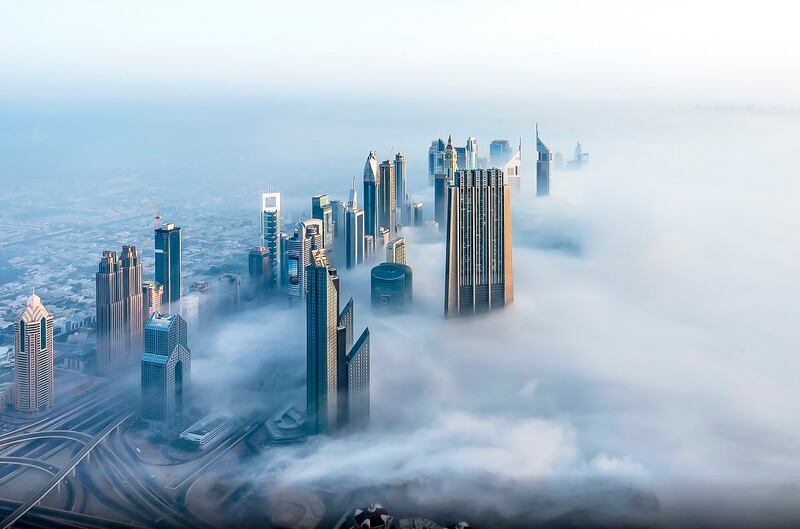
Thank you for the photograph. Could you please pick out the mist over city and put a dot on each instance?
(569, 234)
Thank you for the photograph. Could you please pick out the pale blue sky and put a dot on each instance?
(707, 51)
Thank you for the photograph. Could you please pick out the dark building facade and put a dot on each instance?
(168, 244)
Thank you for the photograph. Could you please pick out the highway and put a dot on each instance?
(102, 468)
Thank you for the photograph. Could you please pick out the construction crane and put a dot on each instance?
(156, 214)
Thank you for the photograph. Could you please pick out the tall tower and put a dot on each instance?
(542, 167)
(352, 201)
(271, 233)
(396, 251)
(307, 234)
(259, 269)
(478, 267)
(166, 371)
(321, 210)
(435, 159)
(33, 356)
(110, 305)
(472, 152)
(321, 345)
(400, 170)
(120, 310)
(371, 191)
(387, 199)
(134, 302)
(499, 152)
(443, 181)
(354, 237)
(168, 261)
(152, 292)
(358, 383)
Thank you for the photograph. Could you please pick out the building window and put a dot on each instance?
(21, 336)
(43, 334)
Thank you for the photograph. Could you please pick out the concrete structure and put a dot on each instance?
(321, 343)
(169, 272)
(120, 310)
(391, 285)
(203, 433)
(166, 371)
(152, 292)
(33, 358)
(478, 264)
(396, 251)
(322, 211)
(354, 238)
(307, 234)
(373, 517)
(543, 158)
(271, 233)
(371, 196)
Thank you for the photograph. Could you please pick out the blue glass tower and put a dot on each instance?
(168, 261)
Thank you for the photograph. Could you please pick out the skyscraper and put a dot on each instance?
(307, 234)
(152, 292)
(461, 157)
(166, 371)
(358, 383)
(344, 342)
(321, 210)
(258, 269)
(33, 357)
(271, 233)
(168, 261)
(478, 266)
(443, 182)
(338, 209)
(435, 159)
(400, 169)
(391, 285)
(499, 152)
(387, 199)
(396, 251)
(352, 201)
(134, 301)
(354, 236)
(542, 167)
(415, 214)
(227, 301)
(119, 305)
(321, 345)
(371, 195)
(472, 152)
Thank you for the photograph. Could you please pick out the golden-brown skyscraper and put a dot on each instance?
(478, 267)
(33, 356)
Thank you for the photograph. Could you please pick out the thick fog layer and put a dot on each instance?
(651, 346)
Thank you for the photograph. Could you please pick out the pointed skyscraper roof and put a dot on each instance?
(353, 195)
(371, 168)
(34, 311)
(541, 148)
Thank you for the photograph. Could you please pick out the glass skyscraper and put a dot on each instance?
(168, 261)
(166, 371)
(271, 233)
